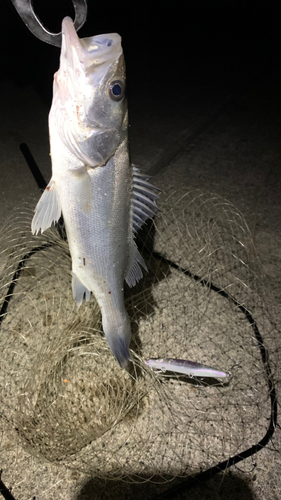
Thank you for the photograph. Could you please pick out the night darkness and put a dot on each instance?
(168, 45)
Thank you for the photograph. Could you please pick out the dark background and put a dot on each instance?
(169, 46)
(187, 61)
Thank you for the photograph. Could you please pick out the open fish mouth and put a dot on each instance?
(96, 50)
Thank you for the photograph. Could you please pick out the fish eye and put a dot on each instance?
(117, 90)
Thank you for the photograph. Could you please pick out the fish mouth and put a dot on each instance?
(92, 51)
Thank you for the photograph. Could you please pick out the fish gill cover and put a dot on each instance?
(64, 399)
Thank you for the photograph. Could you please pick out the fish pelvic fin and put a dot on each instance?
(47, 210)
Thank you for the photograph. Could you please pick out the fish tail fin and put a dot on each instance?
(120, 350)
(118, 335)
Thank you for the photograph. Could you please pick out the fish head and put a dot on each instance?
(89, 104)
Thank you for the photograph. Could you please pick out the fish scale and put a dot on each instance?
(104, 200)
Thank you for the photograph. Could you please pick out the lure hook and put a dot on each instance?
(33, 23)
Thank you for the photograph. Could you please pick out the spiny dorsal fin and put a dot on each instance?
(144, 208)
(145, 196)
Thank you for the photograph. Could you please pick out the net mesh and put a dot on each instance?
(64, 399)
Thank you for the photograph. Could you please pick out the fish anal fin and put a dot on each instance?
(134, 273)
(79, 290)
(48, 209)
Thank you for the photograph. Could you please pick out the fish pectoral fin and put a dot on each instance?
(47, 210)
(134, 273)
(79, 290)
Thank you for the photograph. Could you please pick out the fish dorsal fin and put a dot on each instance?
(145, 196)
(48, 209)
(143, 207)
(134, 273)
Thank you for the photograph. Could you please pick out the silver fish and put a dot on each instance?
(103, 198)
(189, 368)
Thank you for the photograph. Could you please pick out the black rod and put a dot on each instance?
(34, 169)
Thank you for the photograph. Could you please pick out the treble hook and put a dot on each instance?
(33, 23)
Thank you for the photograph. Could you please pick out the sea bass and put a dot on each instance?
(104, 200)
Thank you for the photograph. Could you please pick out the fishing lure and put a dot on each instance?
(189, 368)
